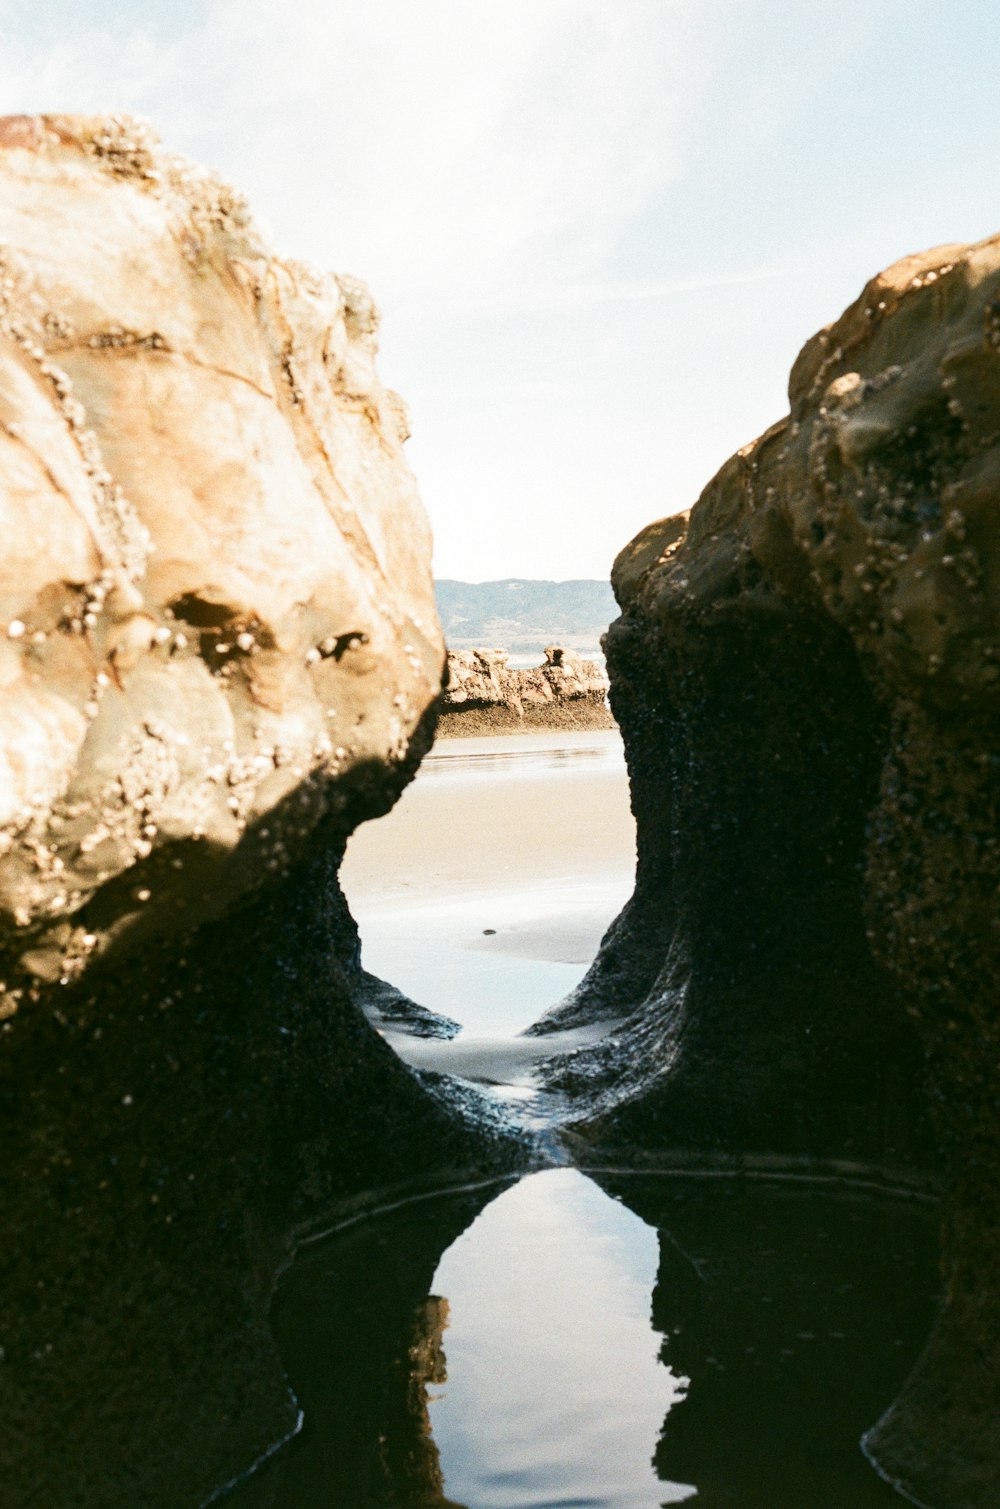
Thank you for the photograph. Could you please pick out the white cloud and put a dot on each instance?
(73, 64)
(451, 150)
(510, 176)
(441, 150)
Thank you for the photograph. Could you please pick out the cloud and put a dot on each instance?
(75, 62)
(446, 145)
(565, 297)
(498, 171)
(439, 149)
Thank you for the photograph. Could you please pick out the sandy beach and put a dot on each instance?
(485, 892)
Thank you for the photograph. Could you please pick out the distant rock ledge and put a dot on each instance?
(486, 696)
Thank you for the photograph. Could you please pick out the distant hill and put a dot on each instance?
(524, 616)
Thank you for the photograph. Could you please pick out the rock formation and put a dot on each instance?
(219, 652)
(807, 675)
(215, 593)
(485, 696)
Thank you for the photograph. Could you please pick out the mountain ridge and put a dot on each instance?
(525, 614)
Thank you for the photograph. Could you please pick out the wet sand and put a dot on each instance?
(485, 892)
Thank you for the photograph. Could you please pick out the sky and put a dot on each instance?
(599, 231)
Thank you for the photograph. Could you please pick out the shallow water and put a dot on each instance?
(558, 1343)
(485, 892)
(570, 1341)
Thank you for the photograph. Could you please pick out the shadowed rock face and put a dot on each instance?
(807, 678)
(219, 653)
(168, 1135)
(760, 1024)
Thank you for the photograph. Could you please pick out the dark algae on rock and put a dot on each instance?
(167, 1143)
(806, 671)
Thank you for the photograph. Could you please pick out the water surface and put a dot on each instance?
(557, 1343)
(484, 893)
(573, 1341)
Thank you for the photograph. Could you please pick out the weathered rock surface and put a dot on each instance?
(219, 652)
(486, 696)
(807, 676)
(215, 592)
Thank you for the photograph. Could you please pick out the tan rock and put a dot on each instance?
(218, 653)
(215, 585)
(486, 696)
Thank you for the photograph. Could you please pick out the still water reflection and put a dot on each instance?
(564, 1344)
(556, 1389)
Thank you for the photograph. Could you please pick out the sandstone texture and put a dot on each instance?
(219, 652)
(215, 599)
(806, 671)
(486, 696)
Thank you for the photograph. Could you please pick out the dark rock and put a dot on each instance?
(807, 679)
(171, 1131)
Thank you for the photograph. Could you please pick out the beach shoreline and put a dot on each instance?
(485, 892)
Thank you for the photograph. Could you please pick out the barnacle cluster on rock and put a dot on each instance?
(219, 652)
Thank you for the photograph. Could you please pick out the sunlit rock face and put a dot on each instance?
(215, 596)
(807, 675)
(486, 696)
(219, 652)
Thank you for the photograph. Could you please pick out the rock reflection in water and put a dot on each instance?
(556, 1387)
(428, 1364)
(361, 1333)
(656, 1340)
(796, 1312)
